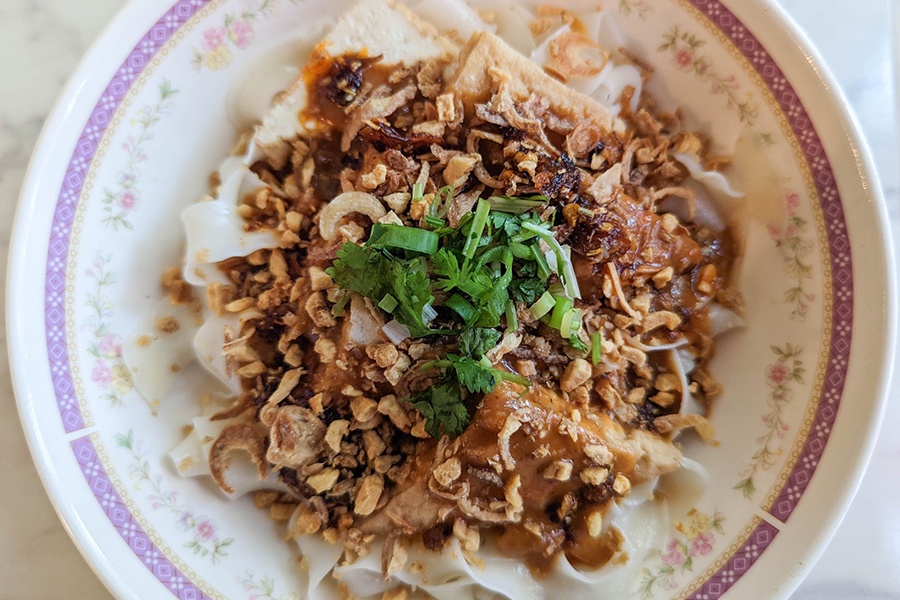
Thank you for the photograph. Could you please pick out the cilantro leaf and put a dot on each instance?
(576, 343)
(360, 270)
(508, 224)
(477, 341)
(472, 375)
(411, 286)
(528, 270)
(492, 304)
(446, 266)
(375, 273)
(443, 408)
(527, 290)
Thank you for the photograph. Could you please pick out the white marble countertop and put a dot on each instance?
(42, 40)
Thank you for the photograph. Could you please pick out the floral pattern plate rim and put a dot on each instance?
(820, 397)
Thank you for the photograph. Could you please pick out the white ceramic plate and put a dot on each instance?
(152, 110)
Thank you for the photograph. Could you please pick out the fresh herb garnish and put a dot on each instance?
(477, 341)
(388, 236)
(596, 347)
(376, 274)
(443, 408)
(492, 260)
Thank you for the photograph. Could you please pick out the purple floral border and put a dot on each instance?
(159, 34)
(55, 293)
(738, 564)
(132, 533)
(838, 244)
(67, 203)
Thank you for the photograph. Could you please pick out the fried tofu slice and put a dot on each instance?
(371, 28)
(487, 62)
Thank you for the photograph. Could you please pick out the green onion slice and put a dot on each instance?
(542, 266)
(435, 222)
(596, 347)
(477, 228)
(563, 305)
(340, 305)
(571, 323)
(388, 303)
(517, 205)
(442, 200)
(567, 271)
(461, 306)
(390, 236)
(543, 306)
(418, 192)
(512, 319)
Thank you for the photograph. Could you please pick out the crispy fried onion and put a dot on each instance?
(463, 204)
(684, 193)
(461, 495)
(604, 187)
(378, 131)
(584, 139)
(287, 384)
(296, 437)
(378, 106)
(525, 116)
(620, 294)
(510, 342)
(678, 422)
(510, 426)
(395, 552)
(344, 205)
(240, 436)
(629, 155)
(472, 143)
(577, 55)
(242, 404)
(489, 115)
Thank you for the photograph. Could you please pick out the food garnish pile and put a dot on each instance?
(477, 320)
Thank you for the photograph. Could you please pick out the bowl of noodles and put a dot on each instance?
(476, 299)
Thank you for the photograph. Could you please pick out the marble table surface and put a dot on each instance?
(41, 42)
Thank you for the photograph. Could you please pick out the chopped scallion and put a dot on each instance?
(512, 319)
(542, 266)
(567, 271)
(596, 347)
(418, 192)
(543, 306)
(552, 261)
(428, 314)
(563, 305)
(528, 234)
(557, 289)
(442, 200)
(461, 306)
(571, 323)
(340, 305)
(477, 228)
(388, 303)
(390, 236)
(435, 222)
(516, 205)
(396, 331)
